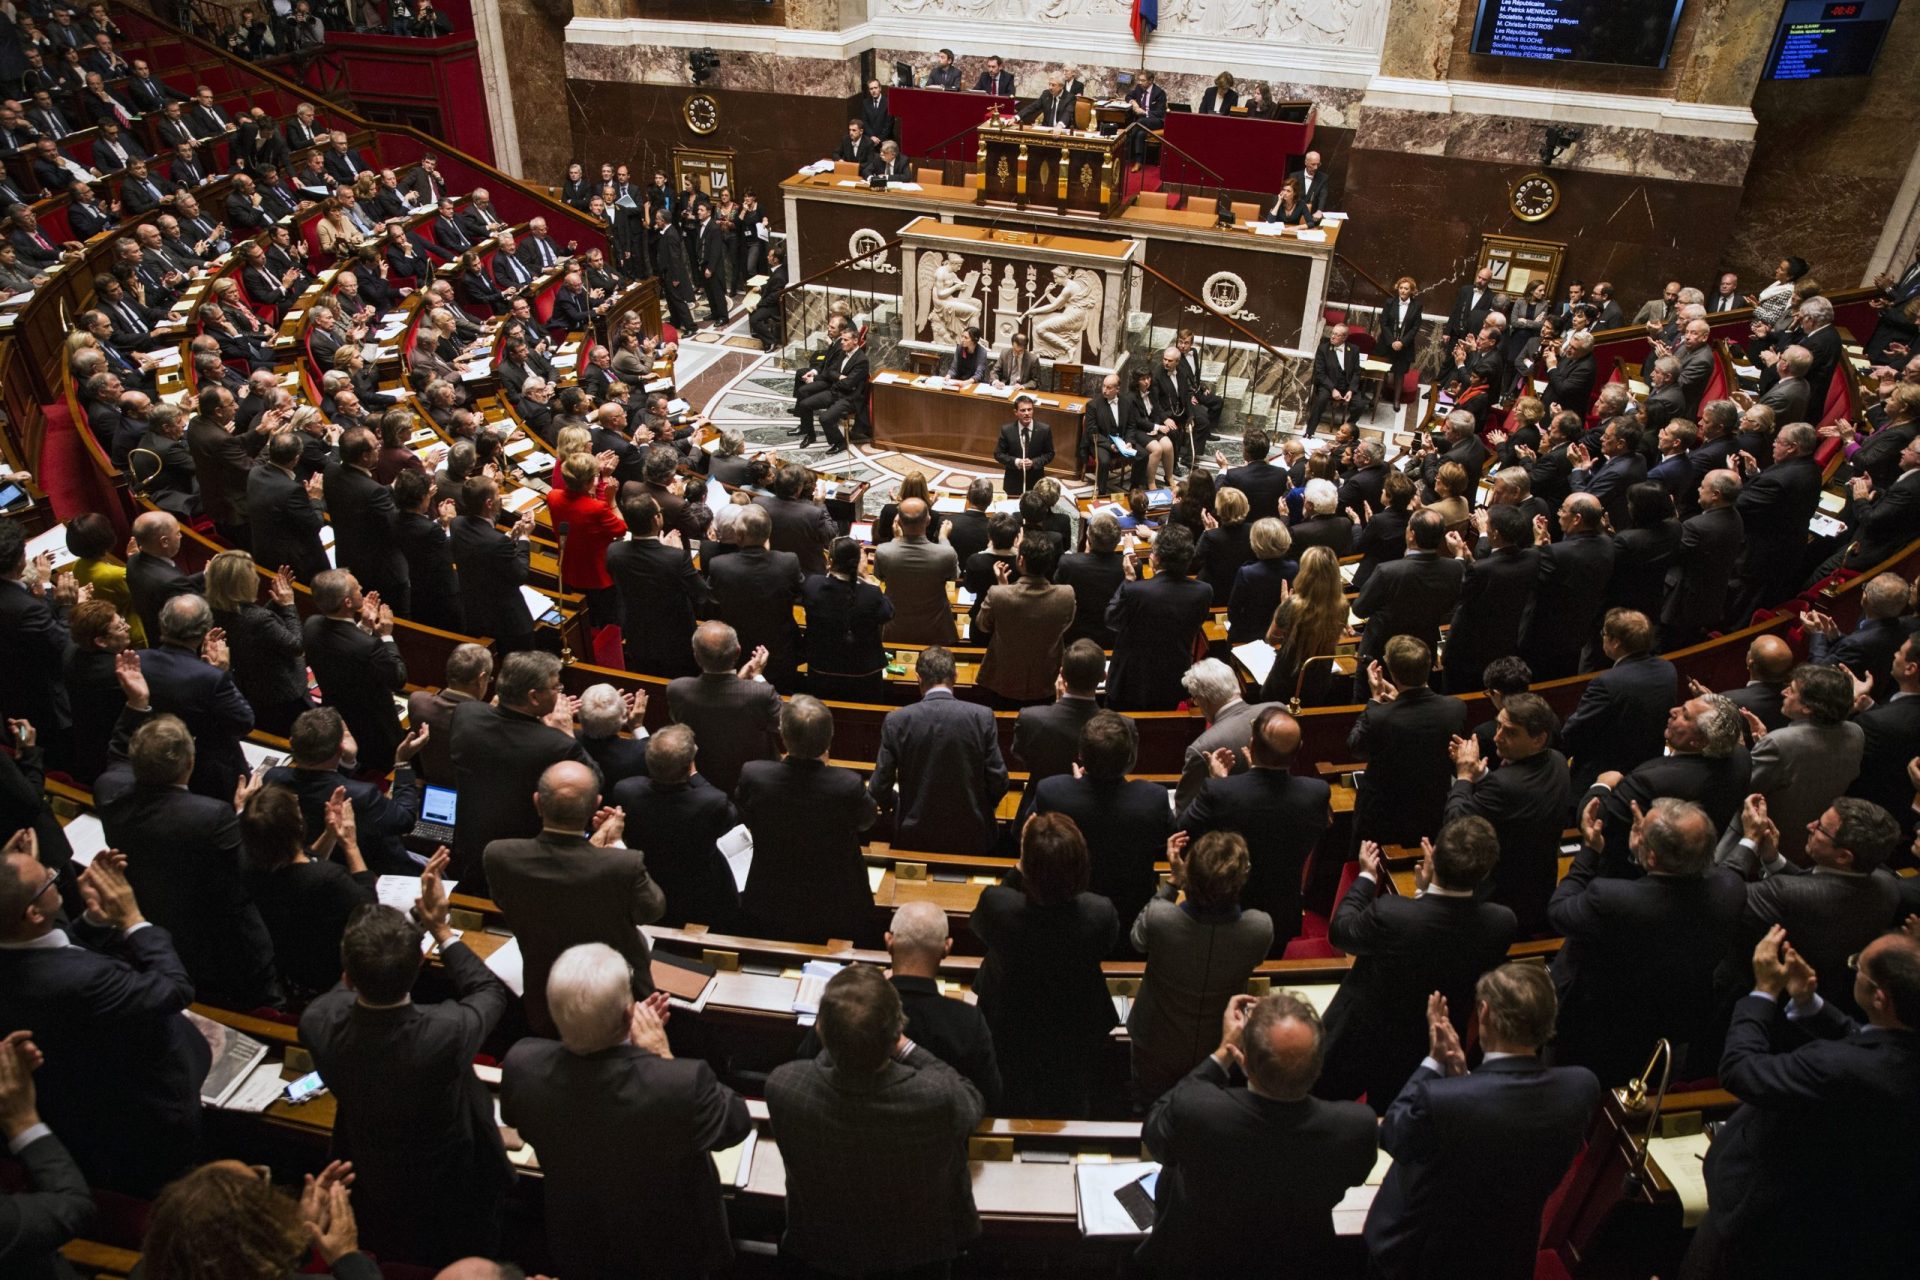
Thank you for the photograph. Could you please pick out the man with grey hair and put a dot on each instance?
(350, 646)
(1462, 445)
(1822, 341)
(951, 1030)
(733, 712)
(604, 713)
(1265, 1155)
(1571, 374)
(1791, 398)
(1775, 505)
(1639, 956)
(609, 1108)
(1336, 376)
(1215, 690)
(468, 673)
(565, 886)
(1705, 762)
(1321, 524)
(1704, 563)
(187, 677)
(1665, 400)
(152, 577)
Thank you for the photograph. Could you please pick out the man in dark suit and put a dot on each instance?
(1046, 739)
(1791, 397)
(1281, 817)
(34, 643)
(1266, 1156)
(1459, 443)
(679, 817)
(994, 80)
(401, 1074)
(1571, 592)
(1441, 940)
(1867, 651)
(1622, 714)
(1639, 956)
(734, 716)
(222, 458)
(364, 516)
(1147, 102)
(1494, 594)
(1704, 564)
(712, 242)
(944, 756)
(152, 577)
(564, 886)
(674, 271)
(1892, 730)
(1471, 305)
(608, 1105)
(52, 1205)
(1613, 479)
(876, 113)
(1882, 523)
(1113, 425)
(754, 590)
(1310, 181)
(319, 747)
(1410, 596)
(1154, 622)
(1054, 108)
(1774, 507)
(1336, 376)
(1125, 821)
(808, 882)
(187, 674)
(103, 1001)
(1265, 484)
(800, 525)
(1794, 1177)
(1526, 799)
(856, 148)
(1024, 448)
(283, 513)
(492, 566)
(874, 1100)
(943, 74)
(1475, 1156)
(350, 646)
(1403, 734)
(660, 590)
(843, 396)
(1704, 762)
(1094, 575)
(1571, 375)
(967, 528)
(500, 751)
(183, 859)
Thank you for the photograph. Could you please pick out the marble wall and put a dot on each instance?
(533, 60)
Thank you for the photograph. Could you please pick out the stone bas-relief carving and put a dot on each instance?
(1355, 24)
(948, 299)
(1066, 314)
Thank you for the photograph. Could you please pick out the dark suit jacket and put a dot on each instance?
(808, 882)
(1404, 743)
(1527, 802)
(801, 527)
(55, 1208)
(1702, 569)
(1775, 506)
(1265, 485)
(912, 1116)
(1474, 1159)
(1126, 825)
(33, 647)
(1411, 596)
(222, 460)
(754, 591)
(1470, 308)
(498, 756)
(151, 582)
(1608, 480)
(1046, 742)
(559, 891)
(1716, 785)
(676, 825)
(1154, 622)
(126, 1100)
(661, 592)
(1886, 524)
(1275, 1168)
(1038, 450)
(609, 1121)
(433, 588)
(1824, 1099)
(1567, 602)
(1094, 577)
(383, 819)
(207, 699)
(492, 568)
(1281, 818)
(1638, 963)
(733, 720)
(951, 1030)
(285, 523)
(1622, 717)
(1403, 949)
(1570, 384)
(1494, 594)
(414, 1119)
(1867, 650)
(183, 861)
(1892, 731)
(1829, 916)
(944, 756)
(358, 675)
(1336, 370)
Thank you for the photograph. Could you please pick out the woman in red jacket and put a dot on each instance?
(582, 510)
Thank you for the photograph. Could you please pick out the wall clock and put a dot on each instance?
(1534, 197)
(702, 113)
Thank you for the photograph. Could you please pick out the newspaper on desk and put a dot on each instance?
(235, 1055)
(814, 976)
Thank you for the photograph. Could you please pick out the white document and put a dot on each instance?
(886, 379)
(1257, 657)
(537, 604)
(1313, 237)
(1333, 217)
(258, 754)
(53, 541)
(1683, 1161)
(1101, 1214)
(509, 966)
(87, 837)
(736, 846)
(258, 1091)
(519, 500)
(658, 384)
(1268, 228)
(893, 186)
(402, 892)
(814, 976)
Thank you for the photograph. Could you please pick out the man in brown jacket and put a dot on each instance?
(915, 573)
(1025, 621)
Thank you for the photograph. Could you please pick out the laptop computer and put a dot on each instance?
(437, 808)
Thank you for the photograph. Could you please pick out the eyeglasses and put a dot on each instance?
(53, 878)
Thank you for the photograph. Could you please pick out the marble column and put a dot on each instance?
(522, 46)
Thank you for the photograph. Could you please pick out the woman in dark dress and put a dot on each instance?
(846, 661)
(1040, 987)
(1397, 339)
(1259, 586)
(264, 640)
(1226, 543)
(304, 896)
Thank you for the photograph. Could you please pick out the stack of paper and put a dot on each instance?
(813, 984)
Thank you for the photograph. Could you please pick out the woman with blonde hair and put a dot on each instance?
(583, 505)
(1397, 335)
(264, 640)
(1309, 622)
(1225, 542)
(1261, 584)
(1452, 486)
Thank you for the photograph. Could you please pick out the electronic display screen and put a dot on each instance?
(1822, 38)
(1625, 33)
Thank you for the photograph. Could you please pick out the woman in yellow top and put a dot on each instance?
(90, 536)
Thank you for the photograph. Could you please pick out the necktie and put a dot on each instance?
(41, 240)
(546, 252)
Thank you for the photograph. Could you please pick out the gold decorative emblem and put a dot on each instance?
(1046, 174)
(1000, 171)
(1534, 197)
(701, 112)
(1086, 177)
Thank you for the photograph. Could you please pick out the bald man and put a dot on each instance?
(152, 577)
(1281, 816)
(915, 572)
(565, 886)
(1770, 662)
(1251, 1173)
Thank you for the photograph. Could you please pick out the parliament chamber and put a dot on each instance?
(959, 638)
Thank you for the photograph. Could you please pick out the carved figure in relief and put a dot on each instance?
(1066, 314)
(947, 298)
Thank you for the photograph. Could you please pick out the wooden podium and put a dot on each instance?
(1050, 169)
